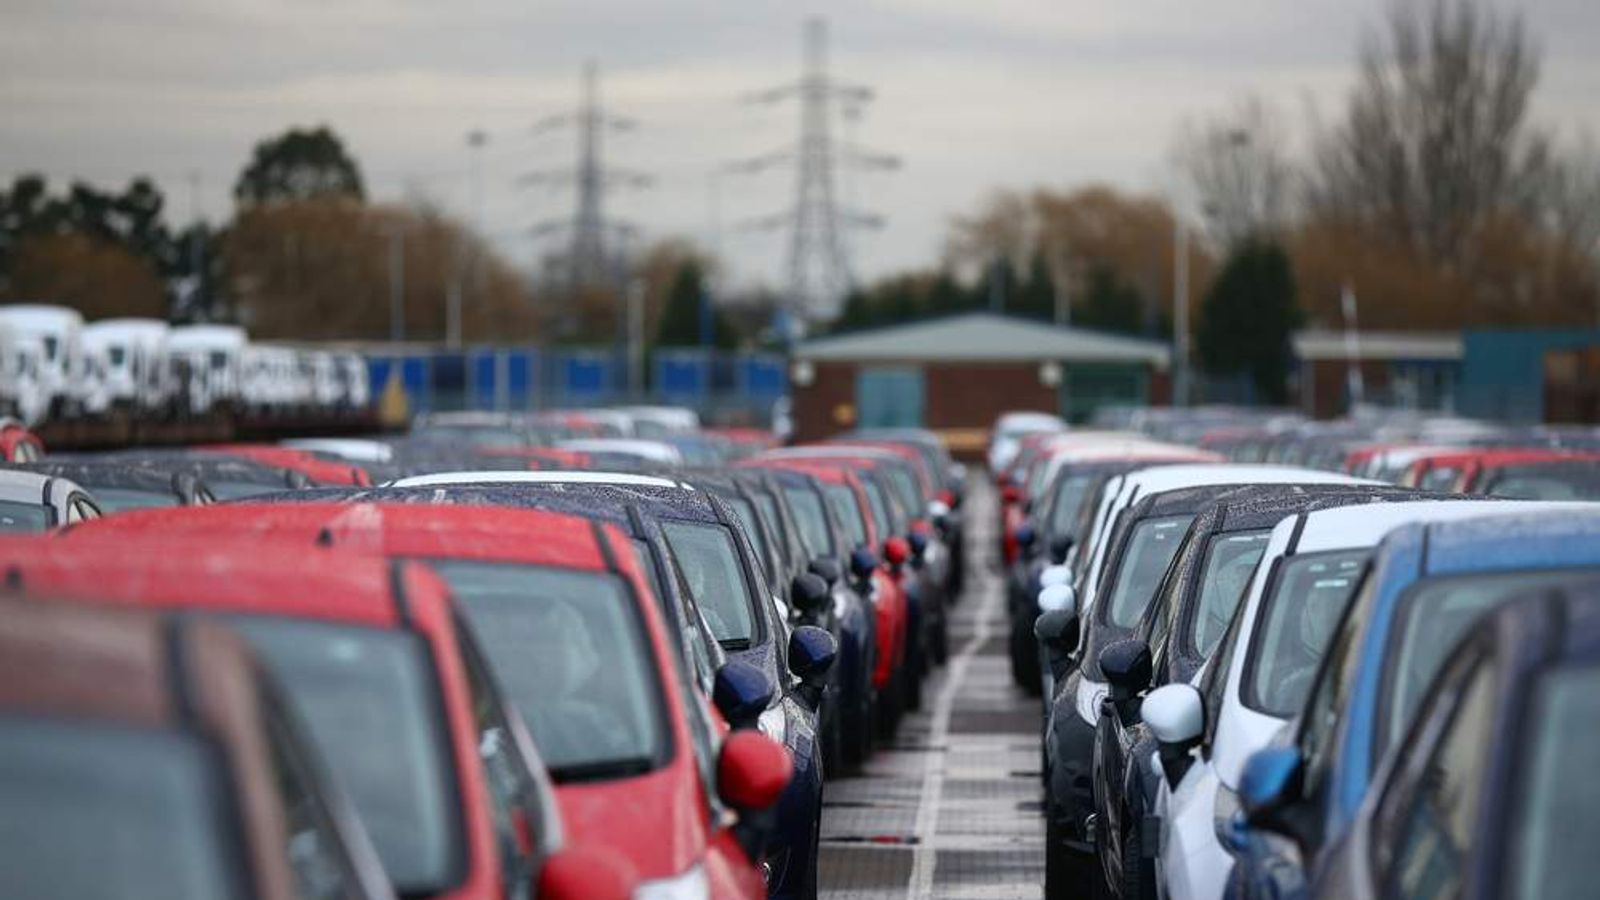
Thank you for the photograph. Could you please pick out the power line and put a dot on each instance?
(819, 262)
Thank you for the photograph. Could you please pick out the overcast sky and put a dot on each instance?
(972, 94)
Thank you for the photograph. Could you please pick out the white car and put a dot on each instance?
(659, 421)
(31, 502)
(63, 367)
(648, 451)
(1008, 430)
(625, 479)
(1252, 687)
(22, 390)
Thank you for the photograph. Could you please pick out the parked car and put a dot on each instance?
(22, 390)
(206, 363)
(1425, 579)
(132, 353)
(147, 756)
(119, 486)
(1008, 431)
(370, 656)
(32, 502)
(62, 366)
(1487, 793)
(17, 443)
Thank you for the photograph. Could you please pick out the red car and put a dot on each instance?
(115, 721)
(320, 471)
(847, 496)
(17, 443)
(393, 694)
(1460, 470)
(570, 627)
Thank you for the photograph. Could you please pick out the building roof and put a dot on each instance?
(984, 337)
(1417, 345)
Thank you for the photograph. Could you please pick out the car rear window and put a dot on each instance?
(82, 804)
(571, 653)
(371, 702)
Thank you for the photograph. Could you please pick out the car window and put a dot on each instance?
(1430, 619)
(1070, 493)
(1294, 623)
(1230, 562)
(1435, 837)
(370, 701)
(811, 519)
(120, 499)
(879, 507)
(746, 514)
(23, 518)
(1331, 685)
(571, 654)
(80, 798)
(847, 510)
(316, 854)
(1559, 800)
(1149, 552)
(710, 564)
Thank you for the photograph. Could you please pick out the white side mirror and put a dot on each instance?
(1175, 713)
(1054, 575)
(938, 509)
(1058, 598)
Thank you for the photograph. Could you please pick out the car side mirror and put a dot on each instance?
(938, 511)
(752, 772)
(896, 551)
(811, 655)
(1053, 576)
(1128, 670)
(827, 568)
(919, 545)
(741, 693)
(1176, 714)
(1057, 629)
(863, 563)
(1269, 785)
(1025, 536)
(582, 873)
(1011, 494)
(1060, 546)
(810, 594)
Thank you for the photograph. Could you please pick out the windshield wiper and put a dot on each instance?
(603, 770)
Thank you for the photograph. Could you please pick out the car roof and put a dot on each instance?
(517, 476)
(22, 484)
(456, 531)
(1528, 540)
(120, 565)
(1350, 527)
(654, 451)
(1158, 479)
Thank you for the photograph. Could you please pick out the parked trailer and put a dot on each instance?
(130, 361)
(22, 392)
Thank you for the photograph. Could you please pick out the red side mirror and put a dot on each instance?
(586, 873)
(752, 771)
(947, 497)
(896, 551)
(1011, 494)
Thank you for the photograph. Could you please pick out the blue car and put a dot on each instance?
(1491, 792)
(1426, 585)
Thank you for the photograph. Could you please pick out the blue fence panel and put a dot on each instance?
(683, 376)
(762, 376)
(585, 377)
(481, 365)
(522, 366)
(1502, 372)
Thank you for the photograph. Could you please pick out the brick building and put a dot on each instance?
(955, 375)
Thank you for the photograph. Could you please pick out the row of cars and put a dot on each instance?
(54, 366)
(1269, 680)
(451, 665)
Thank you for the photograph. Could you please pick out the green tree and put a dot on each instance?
(299, 164)
(681, 323)
(1247, 317)
(1035, 297)
(1109, 303)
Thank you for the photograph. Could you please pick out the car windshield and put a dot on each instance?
(1547, 483)
(1230, 561)
(571, 653)
(1296, 622)
(119, 499)
(371, 702)
(1064, 507)
(710, 563)
(1559, 815)
(767, 506)
(880, 509)
(1150, 551)
(81, 799)
(1429, 623)
(238, 490)
(1442, 478)
(848, 511)
(810, 517)
(23, 517)
(905, 487)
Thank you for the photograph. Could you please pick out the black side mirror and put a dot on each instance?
(1128, 670)
(1060, 546)
(810, 594)
(1026, 536)
(811, 655)
(742, 692)
(1057, 630)
(863, 563)
(919, 544)
(827, 568)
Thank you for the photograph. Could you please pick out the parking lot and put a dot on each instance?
(950, 810)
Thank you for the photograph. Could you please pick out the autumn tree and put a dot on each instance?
(1248, 317)
(299, 165)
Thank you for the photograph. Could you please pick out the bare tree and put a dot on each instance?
(1239, 167)
(1572, 195)
(1435, 143)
